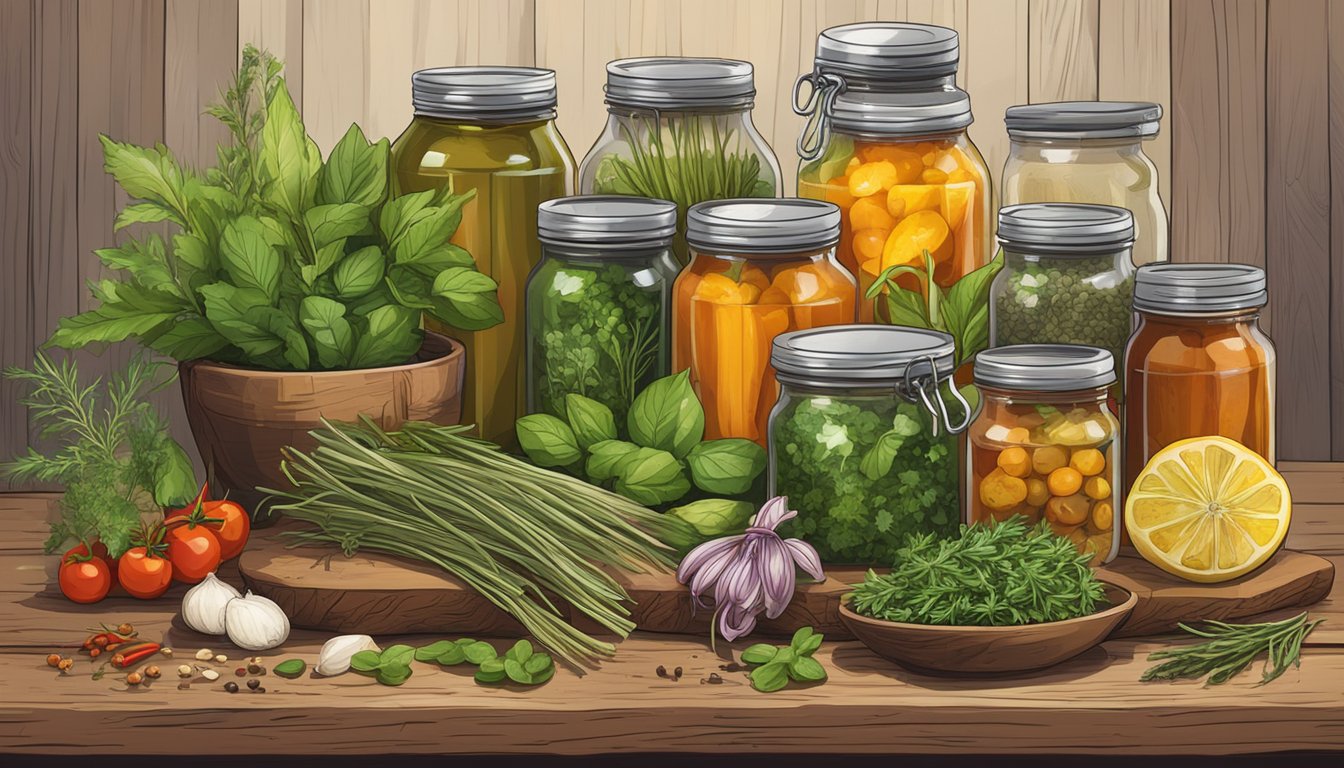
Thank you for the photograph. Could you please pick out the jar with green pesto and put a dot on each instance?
(490, 130)
(599, 305)
(1067, 277)
(863, 440)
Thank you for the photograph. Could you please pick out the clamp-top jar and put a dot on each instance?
(886, 141)
(863, 439)
(680, 129)
(1089, 152)
(489, 130)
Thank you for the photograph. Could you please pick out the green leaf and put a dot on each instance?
(806, 669)
(248, 259)
(434, 650)
(147, 263)
(396, 656)
(288, 159)
(290, 669)
(328, 223)
(190, 339)
(194, 252)
(606, 457)
(401, 212)
(355, 172)
(466, 299)
(727, 466)
(770, 677)
(408, 288)
(760, 653)
(667, 416)
(144, 213)
(325, 322)
(106, 324)
(147, 174)
(491, 671)
(520, 652)
(430, 229)
(537, 664)
(394, 675)
(365, 661)
(652, 477)
(800, 636)
(430, 262)
(480, 652)
(453, 656)
(516, 672)
(174, 477)
(906, 308)
(713, 518)
(359, 273)
(966, 310)
(391, 337)
(547, 441)
(592, 421)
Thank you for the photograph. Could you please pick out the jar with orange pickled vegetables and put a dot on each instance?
(1045, 445)
(758, 269)
(886, 141)
(1198, 363)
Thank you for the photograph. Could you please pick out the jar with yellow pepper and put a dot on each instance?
(886, 141)
(758, 269)
(1045, 445)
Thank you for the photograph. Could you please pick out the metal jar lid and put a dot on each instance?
(1045, 367)
(760, 226)
(876, 354)
(887, 52)
(683, 83)
(1084, 120)
(901, 113)
(484, 94)
(1179, 289)
(1065, 229)
(612, 221)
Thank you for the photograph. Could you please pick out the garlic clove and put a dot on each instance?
(204, 604)
(334, 658)
(255, 623)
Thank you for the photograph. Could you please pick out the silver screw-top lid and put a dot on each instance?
(484, 94)
(1084, 120)
(1065, 229)
(882, 53)
(612, 221)
(1045, 367)
(762, 226)
(901, 113)
(876, 354)
(680, 83)
(1179, 289)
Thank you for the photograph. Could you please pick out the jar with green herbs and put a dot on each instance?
(599, 317)
(491, 131)
(1067, 277)
(863, 439)
(680, 129)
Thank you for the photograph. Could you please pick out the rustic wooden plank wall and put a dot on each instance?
(1251, 146)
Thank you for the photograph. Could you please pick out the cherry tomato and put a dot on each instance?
(144, 575)
(99, 551)
(194, 551)
(233, 529)
(85, 581)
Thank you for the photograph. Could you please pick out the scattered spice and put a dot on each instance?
(54, 660)
(1232, 648)
(240, 672)
(152, 672)
(134, 678)
(210, 674)
(662, 671)
(134, 653)
(677, 673)
(65, 664)
(713, 679)
(254, 683)
(258, 690)
(733, 666)
(125, 629)
(167, 653)
(777, 665)
(221, 658)
(255, 669)
(231, 687)
(205, 654)
(184, 670)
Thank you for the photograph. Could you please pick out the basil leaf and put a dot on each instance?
(491, 671)
(906, 308)
(547, 441)
(770, 677)
(606, 457)
(807, 645)
(591, 421)
(806, 669)
(394, 675)
(327, 257)
(193, 251)
(430, 229)
(877, 461)
(248, 259)
(325, 322)
(189, 339)
(453, 656)
(520, 652)
(328, 223)
(965, 312)
(538, 663)
(713, 518)
(668, 416)
(428, 263)
(290, 669)
(408, 288)
(727, 466)
(433, 650)
(365, 661)
(358, 273)
(800, 636)
(401, 212)
(287, 159)
(174, 477)
(480, 652)
(760, 653)
(516, 672)
(466, 299)
(396, 656)
(355, 172)
(392, 336)
(651, 477)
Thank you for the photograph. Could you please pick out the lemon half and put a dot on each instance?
(1208, 509)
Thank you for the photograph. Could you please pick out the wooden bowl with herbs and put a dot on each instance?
(997, 599)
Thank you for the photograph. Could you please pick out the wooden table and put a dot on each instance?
(1091, 705)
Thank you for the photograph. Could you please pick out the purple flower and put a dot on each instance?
(750, 573)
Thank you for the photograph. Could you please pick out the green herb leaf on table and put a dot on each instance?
(491, 671)
(727, 466)
(547, 441)
(434, 651)
(1231, 648)
(770, 677)
(479, 652)
(365, 661)
(591, 421)
(760, 653)
(778, 664)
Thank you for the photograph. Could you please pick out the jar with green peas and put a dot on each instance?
(1067, 277)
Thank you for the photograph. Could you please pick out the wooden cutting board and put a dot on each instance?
(320, 588)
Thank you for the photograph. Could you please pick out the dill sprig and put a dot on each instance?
(990, 575)
(1231, 648)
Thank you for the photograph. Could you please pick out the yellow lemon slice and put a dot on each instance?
(1208, 509)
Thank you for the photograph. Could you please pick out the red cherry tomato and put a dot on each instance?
(85, 581)
(80, 551)
(194, 551)
(233, 529)
(144, 575)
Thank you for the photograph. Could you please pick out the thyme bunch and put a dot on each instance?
(1231, 648)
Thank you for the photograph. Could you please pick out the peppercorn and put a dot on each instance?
(662, 671)
(152, 672)
(254, 683)
(231, 687)
(125, 629)
(677, 673)
(255, 669)
(65, 664)
(53, 660)
(258, 690)
(240, 672)
(134, 678)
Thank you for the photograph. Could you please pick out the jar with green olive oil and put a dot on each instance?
(491, 130)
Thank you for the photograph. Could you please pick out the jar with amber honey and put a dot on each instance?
(1045, 445)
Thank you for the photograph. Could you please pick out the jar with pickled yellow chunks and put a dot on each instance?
(1046, 445)
(759, 268)
(887, 143)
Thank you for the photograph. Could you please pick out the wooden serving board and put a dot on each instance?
(320, 588)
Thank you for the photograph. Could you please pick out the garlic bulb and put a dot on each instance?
(337, 652)
(255, 623)
(203, 605)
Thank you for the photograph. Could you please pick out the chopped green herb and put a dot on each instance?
(1231, 648)
(776, 665)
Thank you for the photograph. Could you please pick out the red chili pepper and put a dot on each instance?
(134, 654)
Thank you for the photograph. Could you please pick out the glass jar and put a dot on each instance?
(680, 129)
(861, 440)
(1198, 364)
(1045, 444)
(490, 130)
(886, 141)
(599, 305)
(1089, 152)
(1066, 278)
(758, 269)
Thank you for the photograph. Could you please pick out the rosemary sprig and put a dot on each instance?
(1231, 648)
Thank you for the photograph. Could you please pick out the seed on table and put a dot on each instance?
(152, 672)
(184, 670)
(254, 683)
(205, 654)
(95, 653)
(134, 678)
(125, 629)
(240, 672)
(65, 664)
(676, 673)
(221, 658)
(54, 660)
(167, 653)
(209, 674)
(258, 690)
(231, 687)
(255, 669)
(662, 671)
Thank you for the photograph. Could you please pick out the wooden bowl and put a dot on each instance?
(989, 650)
